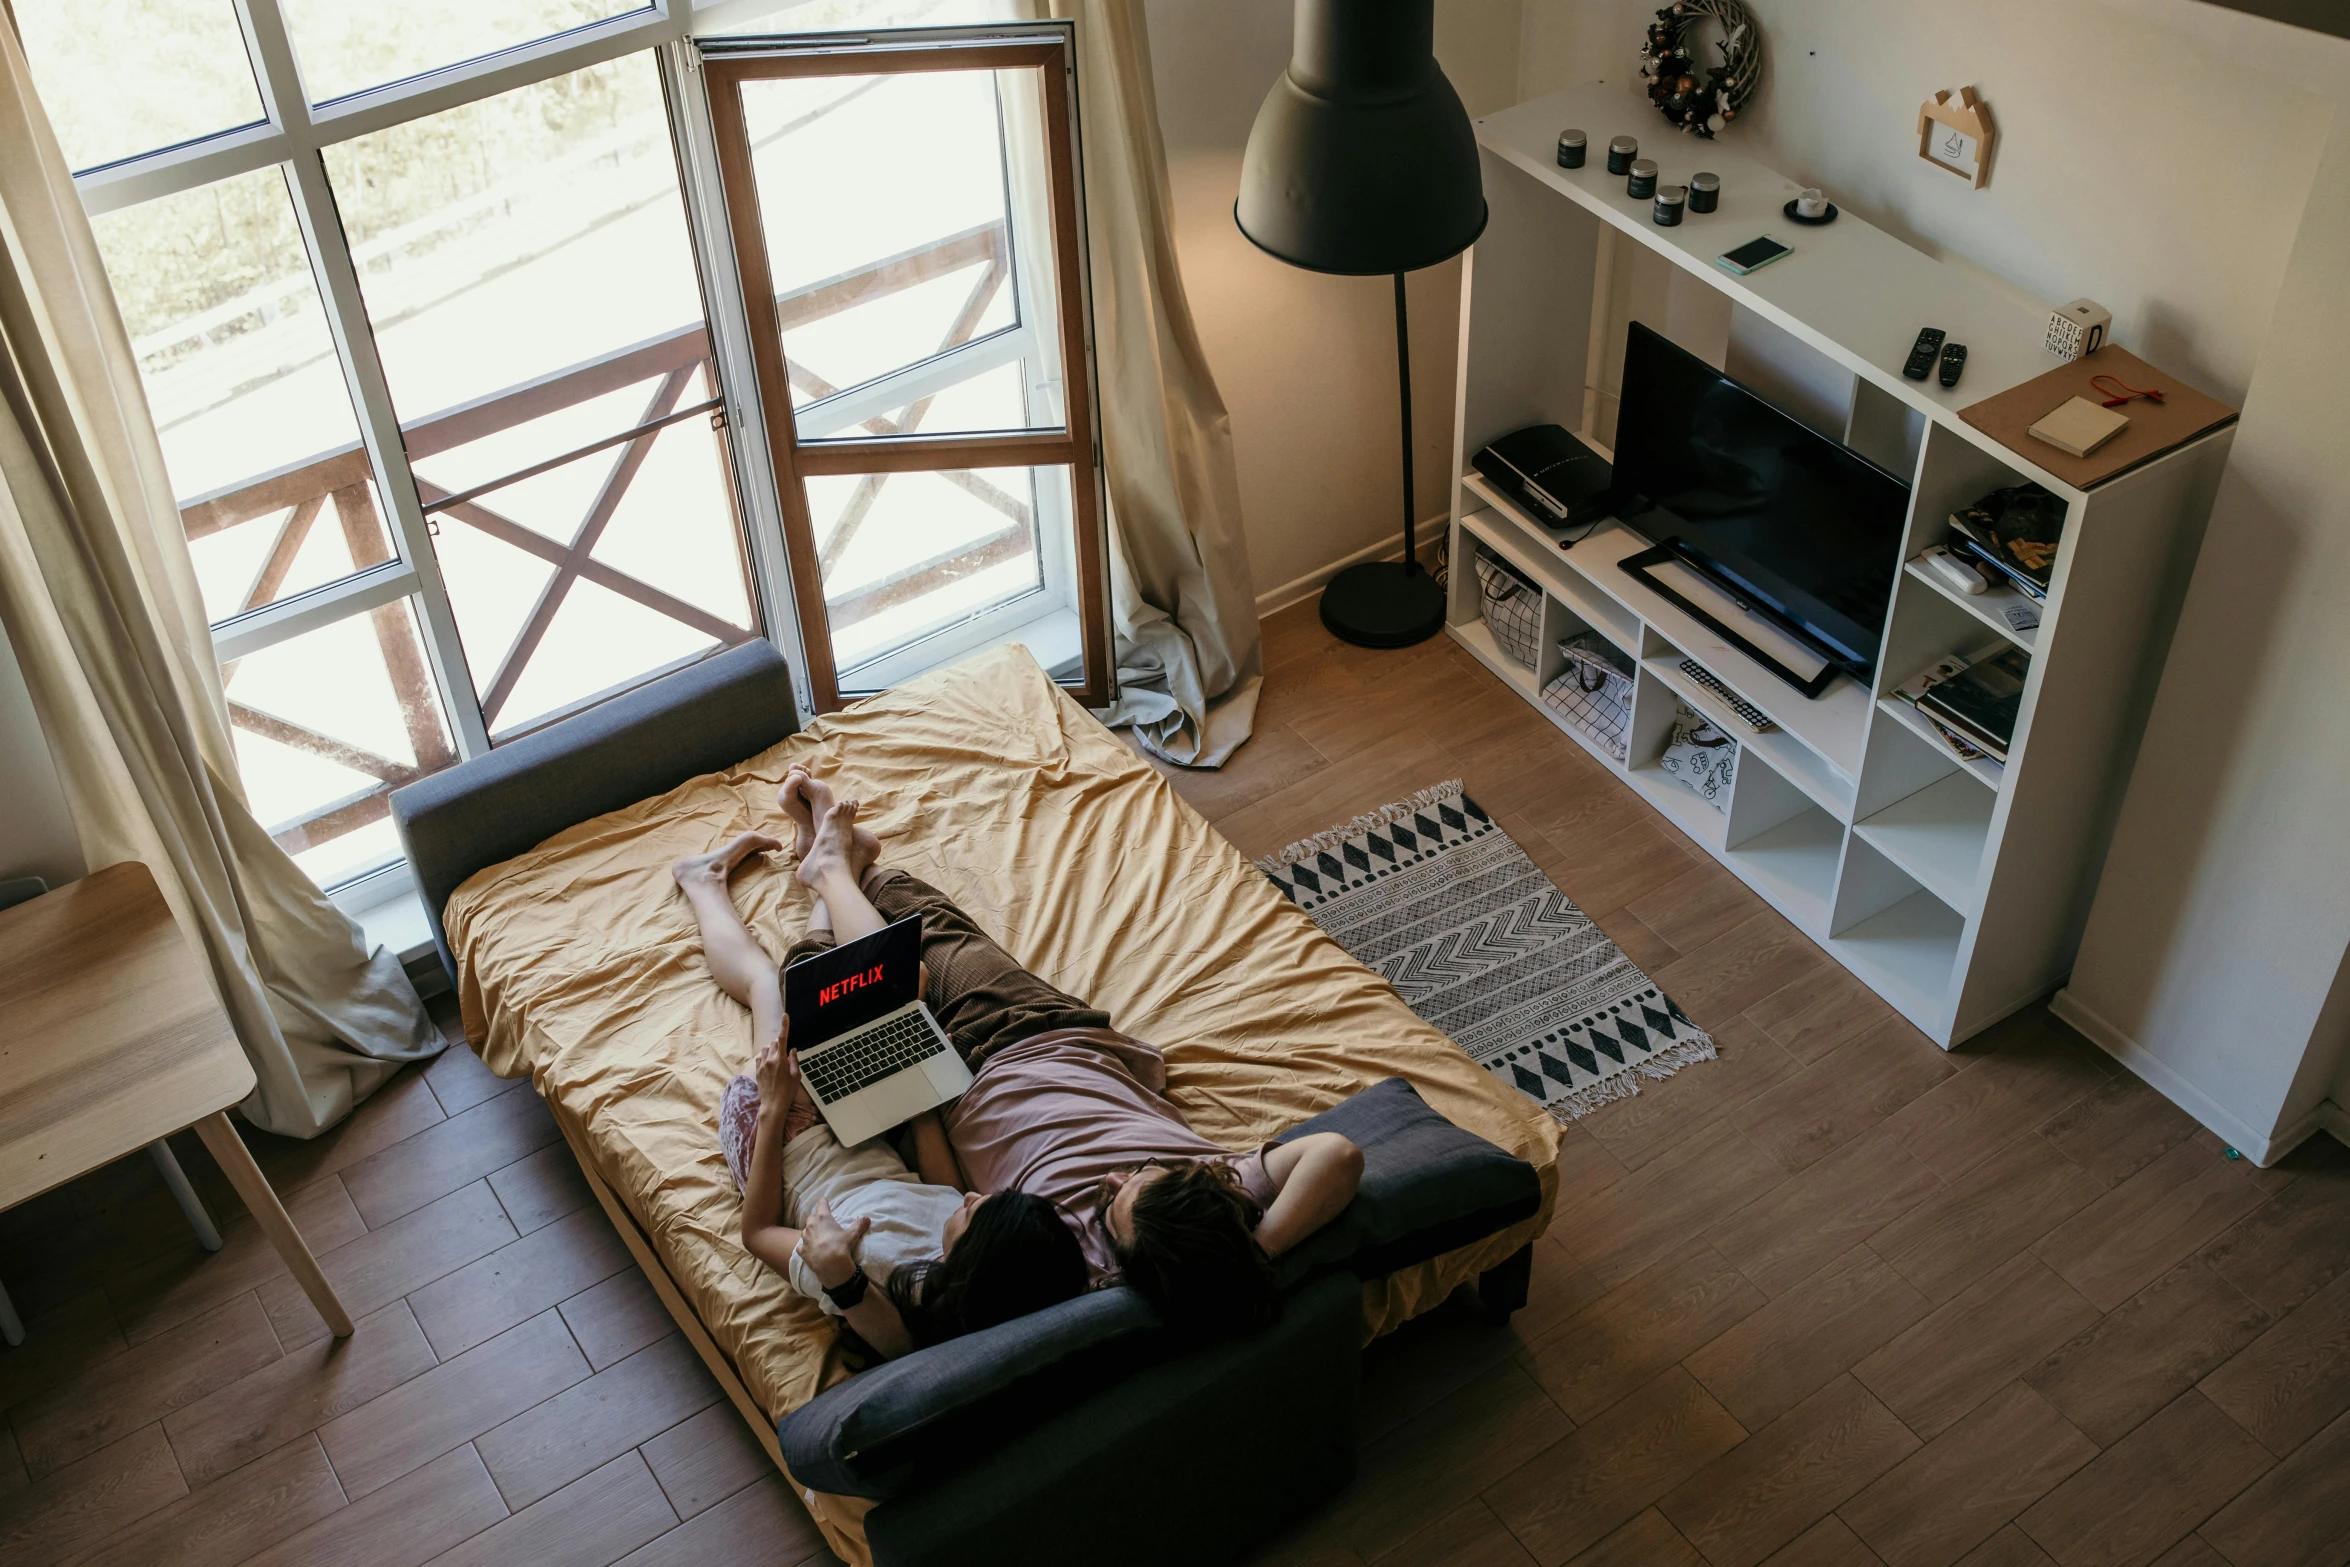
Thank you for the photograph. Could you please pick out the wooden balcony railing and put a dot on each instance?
(342, 480)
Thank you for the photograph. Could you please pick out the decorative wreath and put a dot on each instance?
(1701, 107)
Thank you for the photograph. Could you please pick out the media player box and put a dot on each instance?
(1549, 475)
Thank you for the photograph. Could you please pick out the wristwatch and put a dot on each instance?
(848, 1291)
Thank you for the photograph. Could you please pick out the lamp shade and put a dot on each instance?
(1362, 159)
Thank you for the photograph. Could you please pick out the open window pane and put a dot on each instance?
(327, 724)
(907, 222)
(123, 77)
(909, 556)
(240, 372)
(349, 46)
(526, 264)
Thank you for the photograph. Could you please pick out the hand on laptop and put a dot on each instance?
(777, 1071)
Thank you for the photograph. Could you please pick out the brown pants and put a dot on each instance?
(982, 998)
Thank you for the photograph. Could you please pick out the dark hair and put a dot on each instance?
(1018, 1255)
(1192, 1251)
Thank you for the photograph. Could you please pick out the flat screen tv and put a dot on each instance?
(1807, 527)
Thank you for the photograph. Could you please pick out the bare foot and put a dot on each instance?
(803, 797)
(833, 848)
(715, 868)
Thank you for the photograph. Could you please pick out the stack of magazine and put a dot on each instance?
(2014, 532)
(1970, 701)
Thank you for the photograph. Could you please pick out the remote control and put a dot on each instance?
(1753, 717)
(1922, 352)
(1953, 362)
(1945, 564)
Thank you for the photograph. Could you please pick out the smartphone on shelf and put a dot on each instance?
(1753, 255)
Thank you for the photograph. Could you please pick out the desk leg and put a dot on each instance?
(236, 1162)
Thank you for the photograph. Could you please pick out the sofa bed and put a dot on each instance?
(1083, 1433)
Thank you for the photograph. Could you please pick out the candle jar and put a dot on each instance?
(1620, 154)
(1669, 201)
(1705, 192)
(1572, 146)
(1643, 182)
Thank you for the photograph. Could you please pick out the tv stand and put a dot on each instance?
(1955, 890)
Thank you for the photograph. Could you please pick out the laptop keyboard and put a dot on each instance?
(869, 1057)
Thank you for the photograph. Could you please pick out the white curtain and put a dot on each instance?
(101, 604)
(1189, 659)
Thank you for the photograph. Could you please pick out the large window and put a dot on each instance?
(440, 321)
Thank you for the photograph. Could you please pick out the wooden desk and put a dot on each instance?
(109, 1039)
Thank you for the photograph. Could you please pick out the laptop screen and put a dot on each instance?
(854, 983)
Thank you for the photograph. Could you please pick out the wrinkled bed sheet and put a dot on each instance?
(579, 965)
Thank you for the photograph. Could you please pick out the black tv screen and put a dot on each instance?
(1805, 525)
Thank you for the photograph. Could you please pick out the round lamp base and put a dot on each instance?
(1383, 603)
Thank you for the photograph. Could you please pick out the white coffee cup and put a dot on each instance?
(1812, 204)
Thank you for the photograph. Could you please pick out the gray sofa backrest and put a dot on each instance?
(701, 719)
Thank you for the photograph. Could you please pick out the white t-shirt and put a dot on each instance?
(868, 1181)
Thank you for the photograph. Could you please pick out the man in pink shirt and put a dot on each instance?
(1064, 1107)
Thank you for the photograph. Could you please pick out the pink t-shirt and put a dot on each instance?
(1054, 1114)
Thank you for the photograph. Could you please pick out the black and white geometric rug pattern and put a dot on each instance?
(1435, 898)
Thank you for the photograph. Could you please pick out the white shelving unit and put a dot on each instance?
(1956, 890)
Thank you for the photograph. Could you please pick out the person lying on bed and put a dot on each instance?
(834, 1220)
(1064, 1107)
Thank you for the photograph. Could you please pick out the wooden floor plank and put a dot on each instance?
(2168, 1210)
(297, 1393)
(537, 1191)
(2294, 1379)
(703, 1460)
(518, 1281)
(1628, 1226)
(1845, 1094)
(77, 1506)
(760, 1525)
(1468, 1536)
(2147, 1351)
(1788, 1475)
(2118, 1128)
(2297, 1242)
(545, 1448)
(1985, 1337)
(1618, 1344)
(1798, 1226)
(171, 1285)
(384, 1265)
(1828, 1543)
(408, 1522)
(1575, 1493)
(616, 1318)
(452, 1153)
(2296, 1514)
(1421, 1470)
(452, 1404)
(228, 1522)
(1963, 1487)
(1799, 1343)
(1669, 1111)
(593, 1522)
(2148, 1491)
(1647, 1541)
(459, 1081)
(1985, 1217)
(141, 1386)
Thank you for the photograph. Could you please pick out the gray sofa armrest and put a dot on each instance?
(698, 720)
(1428, 1186)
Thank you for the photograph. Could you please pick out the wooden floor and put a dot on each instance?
(1834, 1298)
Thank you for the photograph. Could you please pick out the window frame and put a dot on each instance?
(292, 137)
(1049, 48)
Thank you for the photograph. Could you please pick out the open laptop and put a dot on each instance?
(871, 1055)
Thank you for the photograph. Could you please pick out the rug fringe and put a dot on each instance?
(1624, 1085)
(1370, 821)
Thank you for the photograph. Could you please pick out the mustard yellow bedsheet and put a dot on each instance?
(578, 964)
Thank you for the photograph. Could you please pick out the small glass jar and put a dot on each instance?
(1572, 148)
(1670, 199)
(1620, 154)
(1705, 192)
(1643, 182)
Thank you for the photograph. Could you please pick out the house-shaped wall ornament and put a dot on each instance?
(1955, 135)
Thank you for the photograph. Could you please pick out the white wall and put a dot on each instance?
(1306, 362)
(2220, 237)
(36, 835)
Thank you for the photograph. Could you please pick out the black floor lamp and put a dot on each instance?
(1362, 162)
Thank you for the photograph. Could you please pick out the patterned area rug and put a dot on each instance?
(1437, 899)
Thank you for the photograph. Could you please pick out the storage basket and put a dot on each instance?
(1594, 691)
(1701, 756)
(1510, 605)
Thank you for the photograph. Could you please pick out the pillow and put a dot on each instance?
(1428, 1187)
